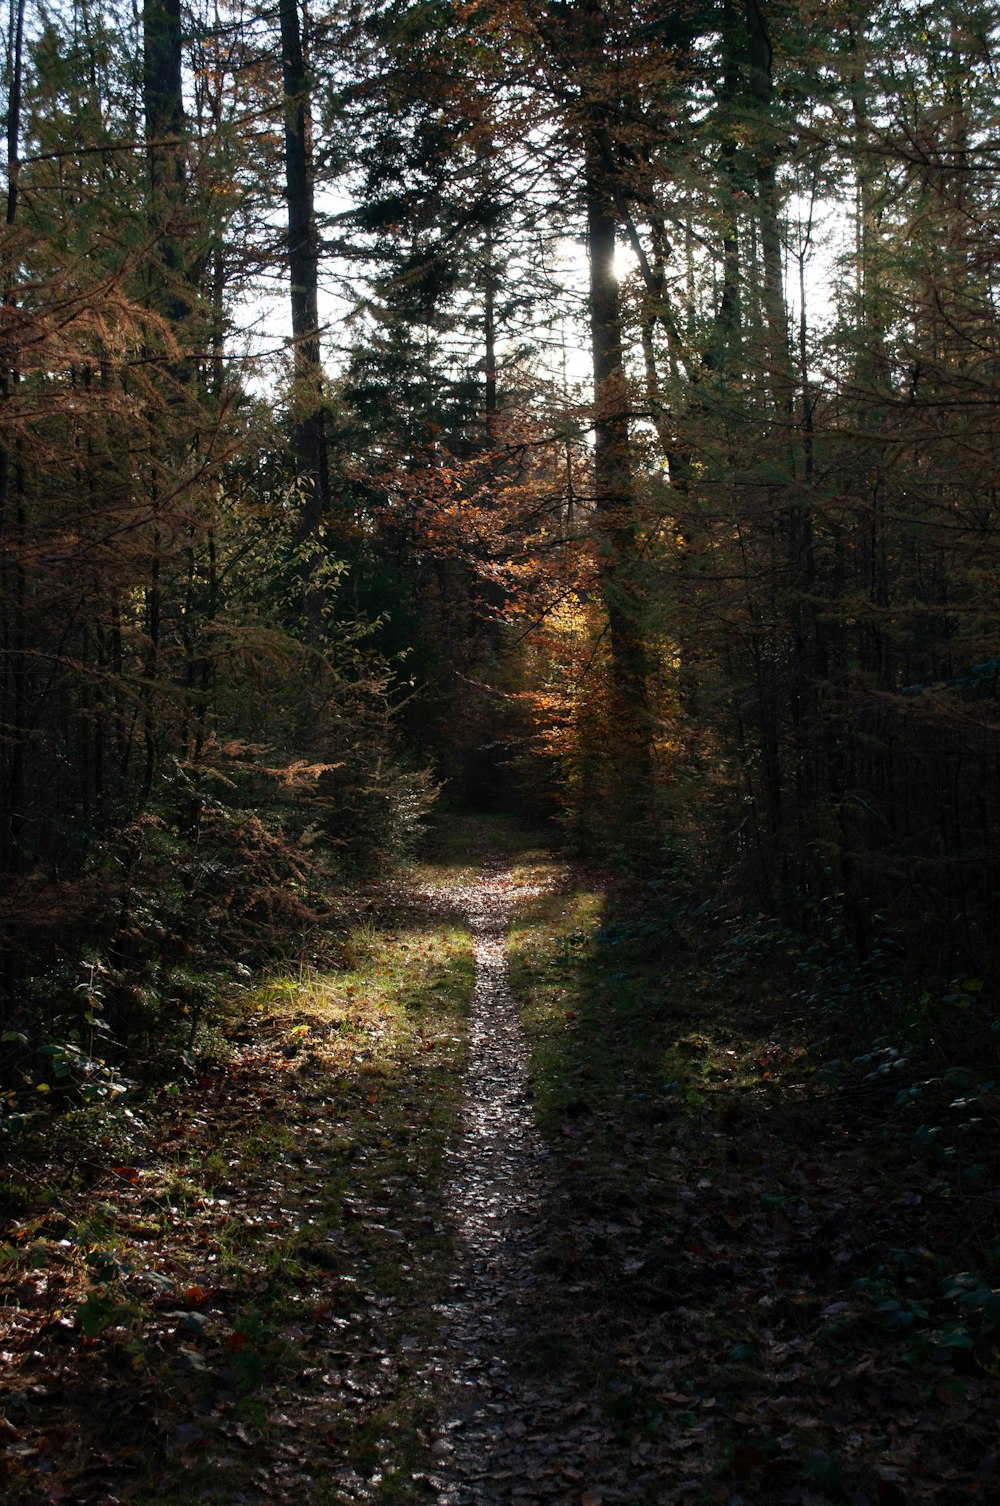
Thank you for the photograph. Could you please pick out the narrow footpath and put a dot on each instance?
(502, 1439)
(355, 1251)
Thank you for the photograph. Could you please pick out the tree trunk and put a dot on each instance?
(309, 428)
(614, 498)
(13, 586)
(15, 54)
(162, 91)
(163, 105)
(728, 353)
(490, 343)
(775, 308)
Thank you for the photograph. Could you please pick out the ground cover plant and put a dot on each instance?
(775, 1258)
(765, 1264)
(212, 1291)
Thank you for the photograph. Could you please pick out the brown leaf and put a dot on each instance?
(746, 1458)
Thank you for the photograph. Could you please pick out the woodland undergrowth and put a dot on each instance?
(775, 1256)
(213, 1284)
(771, 1259)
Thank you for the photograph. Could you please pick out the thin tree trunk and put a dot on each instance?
(490, 343)
(308, 420)
(14, 601)
(775, 307)
(729, 319)
(870, 361)
(15, 53)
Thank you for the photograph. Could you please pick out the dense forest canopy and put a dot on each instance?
(625, 451)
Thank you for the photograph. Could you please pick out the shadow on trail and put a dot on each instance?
(731, 1264)
(661, 1260)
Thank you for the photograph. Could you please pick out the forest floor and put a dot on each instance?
(542, 1194)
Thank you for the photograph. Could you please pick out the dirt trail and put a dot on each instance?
(495, 1442)
(722, 1287)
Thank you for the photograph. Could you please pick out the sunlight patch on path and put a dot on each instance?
(499, 1189)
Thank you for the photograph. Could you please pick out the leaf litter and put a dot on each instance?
(501, 1437)
(297, 1282)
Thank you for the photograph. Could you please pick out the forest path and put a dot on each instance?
(696, 1261)
(614, 1235)
(492, 1444)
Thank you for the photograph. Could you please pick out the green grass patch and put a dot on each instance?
(454, 846)
(625, 1023)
